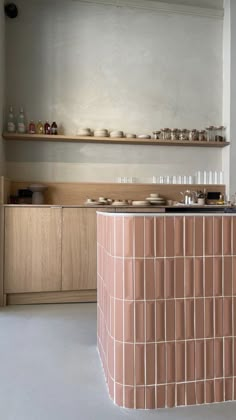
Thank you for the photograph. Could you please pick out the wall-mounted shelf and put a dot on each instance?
(109, 140)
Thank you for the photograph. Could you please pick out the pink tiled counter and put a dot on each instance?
(167, 308)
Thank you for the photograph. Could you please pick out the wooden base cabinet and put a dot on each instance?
(32, 250)
(79, 249)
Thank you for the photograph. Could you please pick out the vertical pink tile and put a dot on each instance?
(129, 397)
(170, 394)
(189, 318)
(160, 320)
(189, 277)
(179, 278)
(139, 364)
(189, 235)
(150, 397)
(200, 393)
(228, 276)
(111, 387)
(169, 279)
(139, 322)
(234, 235)
(139, 236)
(199, 318)
(150, 364)
(179, 236)
(208, 235)
(159, 236)
(119, 232)
(219, 390)
(112, 317)
(161, 363)
(191, 394)
(111, 356)
(227, 235)
(180, 324)
(170, 320)
(218, 317)
(229, 389)
(234, 272)
(190, 361)
(218, 358)
(139, 278)
(170, 358)
(149, 237)
(119, 362)
(217, 275)
(150, 321)
(129, 236)
(140, 397)
(159, 280)
(209, 359)
(169, 236)
(119, 277)
(119, 395)
(129, 364)
(180, 395)
(217, 235)
(119, 320)
(199, 236)
(112, 226)
(180, 361)
(228, 357)
(199, 277)
(209, 277)
(209, 320)
(111, 276)
(129, 321)
(149, 279)
(227, 317)
(209, 392)
(161, 396)
(199, 357)
(128, 279)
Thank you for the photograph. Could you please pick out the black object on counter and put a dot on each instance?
(25, 196)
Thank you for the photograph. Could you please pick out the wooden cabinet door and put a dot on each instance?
(32, 250)
(79, 249)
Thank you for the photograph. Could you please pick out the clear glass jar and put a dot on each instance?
(220, 133)
(210, 133)
(193, 135)
(202, 135)
(183, 134)
(174, 134)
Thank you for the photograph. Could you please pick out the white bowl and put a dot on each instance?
(130, 136)
(116, 134)
(144, 136)
(84, 132)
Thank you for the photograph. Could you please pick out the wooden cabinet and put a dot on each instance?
(79, 249)
(32, 250)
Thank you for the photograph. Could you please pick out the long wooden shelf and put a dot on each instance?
(109, 140)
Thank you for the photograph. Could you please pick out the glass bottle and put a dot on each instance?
(11, 125)
(54, 128)
(47, 128)
(21, 126)
(39, 127)
(32, 128)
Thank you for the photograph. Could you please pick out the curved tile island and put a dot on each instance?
(167, 308)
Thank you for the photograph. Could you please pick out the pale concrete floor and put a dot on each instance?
(50, 370)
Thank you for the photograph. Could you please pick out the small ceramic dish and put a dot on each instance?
(144, 136)
(101, 132)
(130, 136)
(116, 134)
(120, 203)
(84, 132)
(140, 203)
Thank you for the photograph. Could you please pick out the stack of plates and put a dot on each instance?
(140, 203)
(130, 136)
(144, 136)
(101, 132)
(156, 199)
(117, 133)
(84, 132)
(120, 203)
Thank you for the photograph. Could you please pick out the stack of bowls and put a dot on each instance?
(101, 132)
(116, 133)
(84, 132)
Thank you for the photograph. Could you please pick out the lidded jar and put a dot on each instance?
(193, 135)
(202, 135)
(174, 134)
